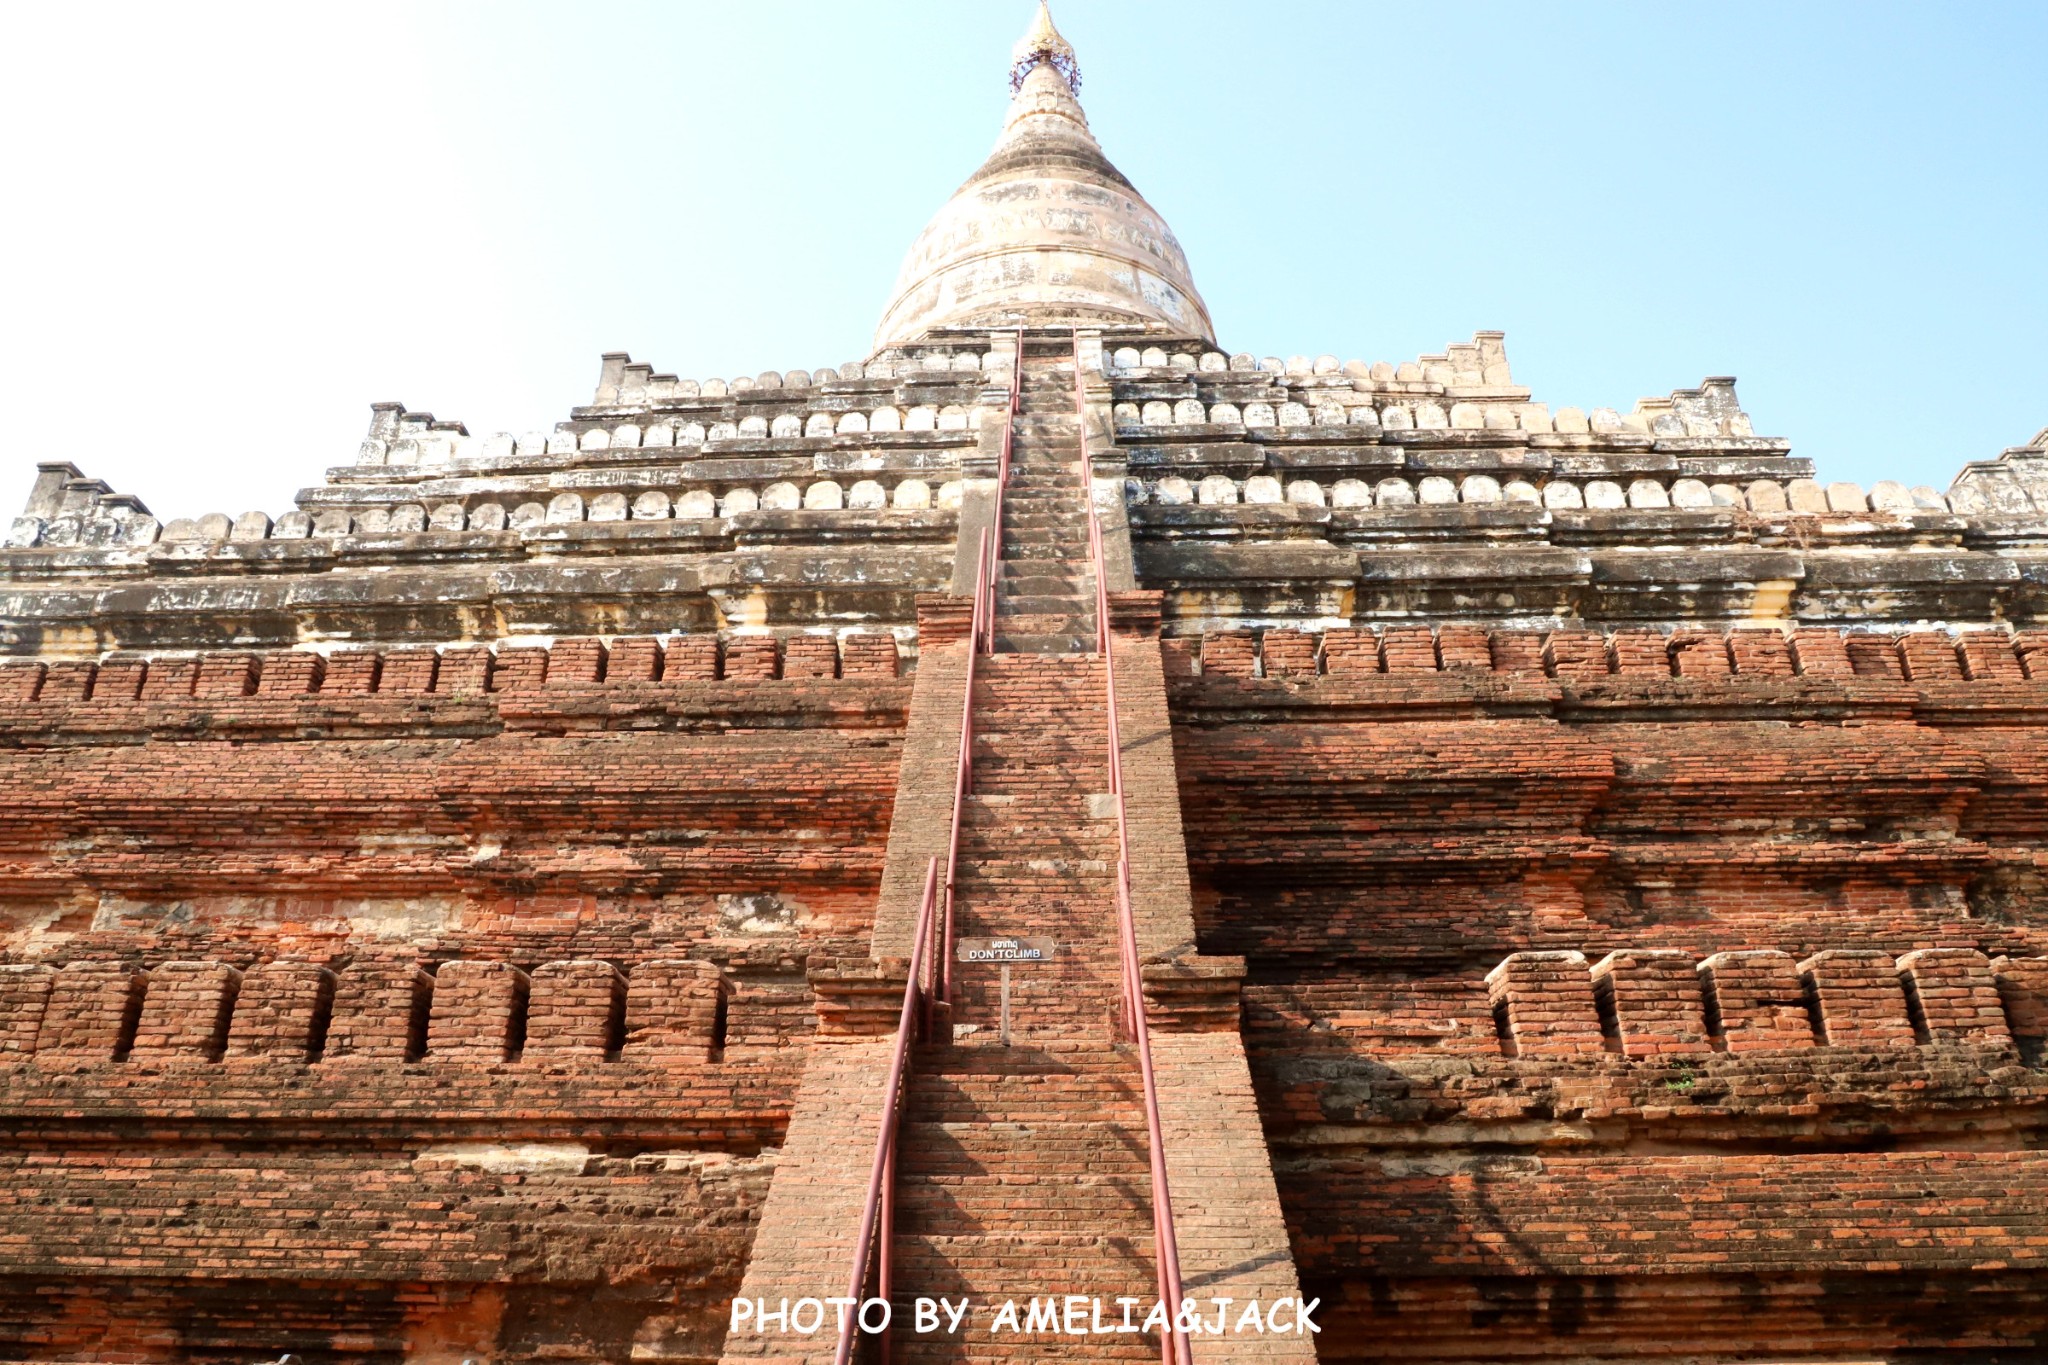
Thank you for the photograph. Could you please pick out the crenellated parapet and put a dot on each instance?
(623, 384)
(793, 502)
(683, 681)
(1658, 1004)
(1576, 654)
(461, 1012)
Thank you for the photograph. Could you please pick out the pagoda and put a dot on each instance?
(1050, 816)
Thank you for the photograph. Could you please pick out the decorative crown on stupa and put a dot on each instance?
(1043, 45)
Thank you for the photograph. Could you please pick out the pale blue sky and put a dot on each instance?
(234, 227)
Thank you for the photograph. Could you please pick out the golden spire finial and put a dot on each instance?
(1042, 43)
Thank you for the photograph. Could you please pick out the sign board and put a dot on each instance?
(1004, 950)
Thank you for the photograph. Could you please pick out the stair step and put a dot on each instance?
(1039, 866)
(1078, 679)
(1032, 740)
(1044, 551)
(1035, 674)
(1074, 769)
(994, 1266)
(1040, 1156)
(1011, 1350)
(1074, 629)
(1066, 574)
(1021, 1079)
(1048, 622)
(926, 1209)
(1063, 582)
(1033, 578)
(1026, 491)
(1042, 644)
(958, 1107)
(1072, 712)
(1072, 635)
(1078, 837)
(1068, 609)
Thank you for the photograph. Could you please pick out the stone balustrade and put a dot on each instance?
(1481, 363)
(416, 518)
(454, 450)
(1761, 497)
(1137, 419)
(625, 384)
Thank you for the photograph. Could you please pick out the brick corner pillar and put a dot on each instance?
(923, 813)
(1226, 1205)
(804, 1242)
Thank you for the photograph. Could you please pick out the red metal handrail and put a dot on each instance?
(1173, 1343)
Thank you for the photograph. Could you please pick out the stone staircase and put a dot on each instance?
(1045, 594)
(1038, 846)
(1023, 1171)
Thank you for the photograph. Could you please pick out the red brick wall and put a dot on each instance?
(1626, 956)
(471, 981)
(1623, 990)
